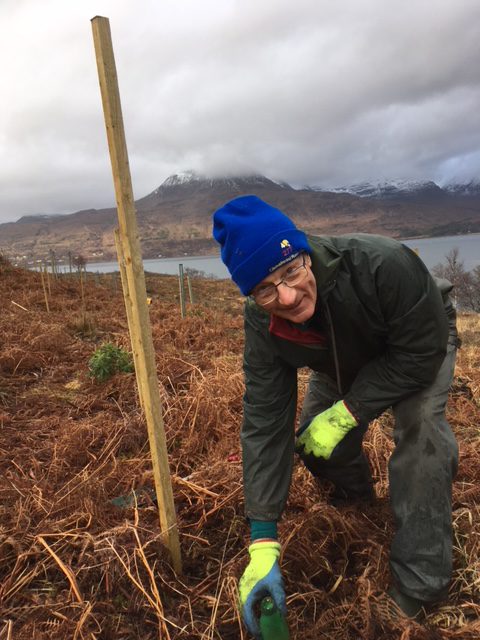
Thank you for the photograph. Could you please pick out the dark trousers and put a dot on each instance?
(421, 471)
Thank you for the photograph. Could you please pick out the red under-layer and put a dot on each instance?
(284, 329)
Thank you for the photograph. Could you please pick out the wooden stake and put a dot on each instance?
(190, 292)
(128, 235)
(182, 290)
(44, 291)
(47, 276)
(82, 294)
(136, 346)
(53, 262)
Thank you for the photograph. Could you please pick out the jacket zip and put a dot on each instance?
(334, 347)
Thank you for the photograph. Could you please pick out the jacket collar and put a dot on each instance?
(326, 261)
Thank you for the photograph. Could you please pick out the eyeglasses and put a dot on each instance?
(265, 294)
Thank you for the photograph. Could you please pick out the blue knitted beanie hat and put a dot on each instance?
(255, 239)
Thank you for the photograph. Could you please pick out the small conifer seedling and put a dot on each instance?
(109, 360)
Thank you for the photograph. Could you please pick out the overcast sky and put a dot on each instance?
(307, 91)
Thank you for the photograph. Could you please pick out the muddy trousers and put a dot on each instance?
(421, 472)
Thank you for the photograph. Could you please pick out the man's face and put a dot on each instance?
(295, 303)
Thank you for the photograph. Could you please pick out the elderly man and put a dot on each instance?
(364, 314)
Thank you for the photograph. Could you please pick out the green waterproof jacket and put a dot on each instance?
(386, 323)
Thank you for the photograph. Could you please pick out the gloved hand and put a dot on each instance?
(262, 577)
(325, 431)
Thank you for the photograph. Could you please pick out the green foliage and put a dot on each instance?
(109, 360)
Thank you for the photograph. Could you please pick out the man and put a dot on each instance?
(364, 314)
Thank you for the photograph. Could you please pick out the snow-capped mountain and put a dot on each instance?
(188, 193)
(391, 189)
(406, 189)
(471, 188)
(196, 180)
(399, 189)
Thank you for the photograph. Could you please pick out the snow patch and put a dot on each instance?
(385, 188)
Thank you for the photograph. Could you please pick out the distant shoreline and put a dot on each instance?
(450, 235)
(432, 250)
(217, 255)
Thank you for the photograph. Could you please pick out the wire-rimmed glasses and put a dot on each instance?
(268, 293)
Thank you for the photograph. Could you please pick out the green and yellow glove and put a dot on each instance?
(261, 578)
(325, 431)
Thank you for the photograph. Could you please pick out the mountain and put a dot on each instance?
(175, 219)
(472, 188)
(182, 186)
(397, 190)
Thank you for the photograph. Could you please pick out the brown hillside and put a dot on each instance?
(75, 565)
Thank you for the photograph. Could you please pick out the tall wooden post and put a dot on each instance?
(136, 345)
(128, 234)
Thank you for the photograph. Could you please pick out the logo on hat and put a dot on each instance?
(286, 248)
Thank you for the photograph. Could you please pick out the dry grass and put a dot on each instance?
(75, 566)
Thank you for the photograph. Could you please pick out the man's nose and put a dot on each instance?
(286, 294)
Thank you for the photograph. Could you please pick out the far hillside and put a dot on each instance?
(175, 219)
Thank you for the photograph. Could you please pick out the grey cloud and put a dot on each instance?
(309, 92)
